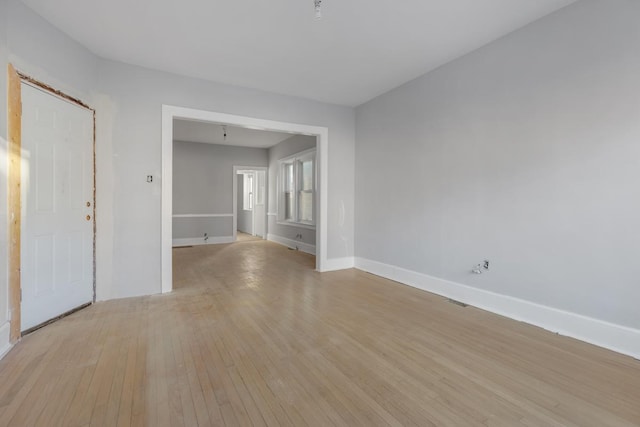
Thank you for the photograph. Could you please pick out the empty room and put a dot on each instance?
(320, 212)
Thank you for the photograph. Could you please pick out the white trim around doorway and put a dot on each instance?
(169, 113)
(237, 169)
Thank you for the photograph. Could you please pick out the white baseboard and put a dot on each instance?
(614, 337)
(304, 247)
(335, 264)
(200, 241)
(5, 339)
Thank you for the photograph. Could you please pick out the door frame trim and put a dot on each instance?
(15, 79)
(170, 112)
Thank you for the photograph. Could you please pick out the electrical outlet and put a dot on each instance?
(480, 268)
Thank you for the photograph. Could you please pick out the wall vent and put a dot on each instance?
(461, 304)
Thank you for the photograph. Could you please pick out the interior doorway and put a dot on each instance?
(171, 113)
(250, 201)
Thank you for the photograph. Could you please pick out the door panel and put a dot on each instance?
(76, 173)
(75, 268)
(57, 186)
(44, 174)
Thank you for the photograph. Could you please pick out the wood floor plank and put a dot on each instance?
(253, 336)
(193, 381)
(45, 382)
(81, 407)
(167, 406)
(141, 387)
(208, 394)
(189, 416)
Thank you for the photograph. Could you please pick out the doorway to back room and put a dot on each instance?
(250, 203)
(226, 179)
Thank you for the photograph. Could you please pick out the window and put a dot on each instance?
(247, 191)
(298, 188)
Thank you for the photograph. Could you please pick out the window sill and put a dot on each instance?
(296, 224)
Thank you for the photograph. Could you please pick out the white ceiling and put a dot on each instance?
(211, 133)
(358, 50)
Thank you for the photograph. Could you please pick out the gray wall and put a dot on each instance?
(286, 148)
(202, 184)
(203, 173)
(135, 99)
(43, 52)
(192, 228)
(136, 96)
(526, 153)
(128, 101)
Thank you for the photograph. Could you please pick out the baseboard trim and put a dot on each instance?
(304, 247)
(335, 264)
(5, 339)
(200, 241)
(621, 339)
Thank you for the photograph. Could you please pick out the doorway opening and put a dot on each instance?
(170, 114)
(250, 188)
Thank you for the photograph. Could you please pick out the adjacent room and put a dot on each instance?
(319, 212)
(240, 185)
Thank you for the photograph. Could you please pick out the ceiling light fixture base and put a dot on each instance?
(318, 8)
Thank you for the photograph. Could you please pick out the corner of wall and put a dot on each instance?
(336, 264)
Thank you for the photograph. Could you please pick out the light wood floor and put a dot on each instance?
(246, 237)
(252, 336)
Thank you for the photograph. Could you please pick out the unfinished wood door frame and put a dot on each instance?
(15, 80)
(14, 197)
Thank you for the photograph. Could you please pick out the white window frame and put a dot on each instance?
(296, 160)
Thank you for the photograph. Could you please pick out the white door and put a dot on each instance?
(57, 206)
